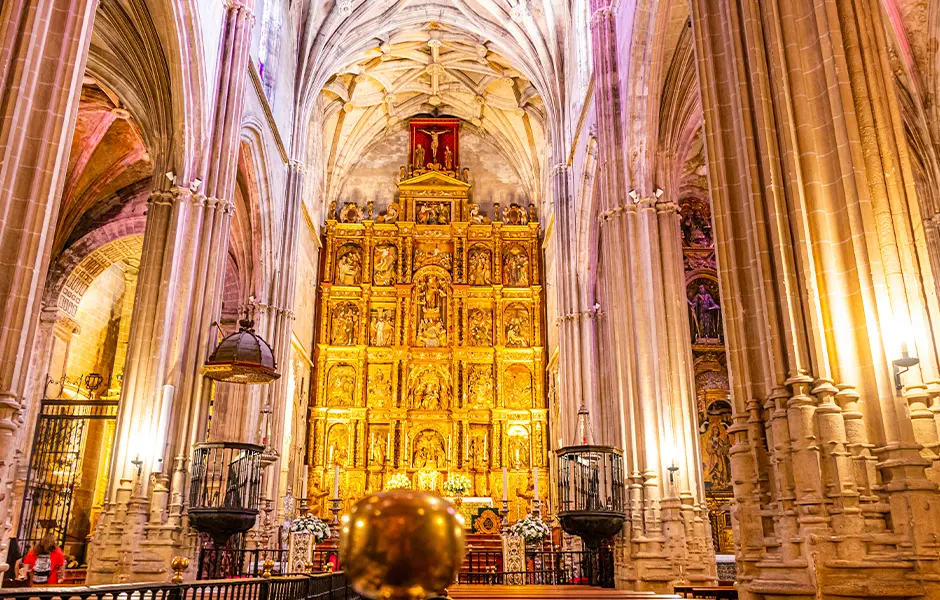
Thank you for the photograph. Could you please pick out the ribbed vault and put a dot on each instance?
(439, 70)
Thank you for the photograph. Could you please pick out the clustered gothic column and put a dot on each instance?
(649, 387)
(821, 246)
(43, 47)
(178, 301)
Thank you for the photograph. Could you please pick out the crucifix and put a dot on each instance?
(435, 134)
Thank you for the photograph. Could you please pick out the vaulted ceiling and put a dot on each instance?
(367, 67)
(432, 69)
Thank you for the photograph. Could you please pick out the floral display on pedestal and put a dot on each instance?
(398, 481)
(305, 533)
(532, 529)
(457, 486)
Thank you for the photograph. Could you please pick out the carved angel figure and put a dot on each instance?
(475, 217)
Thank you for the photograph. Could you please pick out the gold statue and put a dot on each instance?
(342, 385)
(475, 217)
(380, 387)
(448, 158)
(481, 327)
(429, 450)
(517, 325)
(419, 156)
(383, 327)
(349, 268)
(345, 320)
(385, 258)
(516, 269)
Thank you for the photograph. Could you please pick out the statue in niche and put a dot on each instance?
(391, 214)
(351, 213)
(345, 321)
(429, 451)
(341, 387)
(431, 333)
(430, 393)
(706, 317)
(475, 217)
(433, 214)
(481, 327)
(382, 327)
(419, 156)
(478, 451)
(481, 387)
(443, 214)
(349, 268)
(337, 452)
(386, 257)
(516, 268)
(379, 449)
(519, 449)
(448, 158)
(432, 296)
(517, 387)
(696, 230)
(517, 328)
(380, 387)
(480, 265)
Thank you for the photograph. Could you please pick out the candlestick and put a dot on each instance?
(535, 482)
(336, 480)
(504, 513)
(303, 486)
(505, 485)
(335, 508)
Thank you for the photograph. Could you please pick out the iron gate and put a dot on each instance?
(55, 465)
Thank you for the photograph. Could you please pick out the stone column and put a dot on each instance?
(43, 49)
(645, 359)
(821, 248)
(178, 301)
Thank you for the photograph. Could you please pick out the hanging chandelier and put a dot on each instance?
(242, 357)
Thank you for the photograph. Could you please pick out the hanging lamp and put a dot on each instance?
(242, 357)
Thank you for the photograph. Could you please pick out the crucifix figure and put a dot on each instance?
(435, 142)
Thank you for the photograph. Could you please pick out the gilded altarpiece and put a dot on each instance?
(430, 353)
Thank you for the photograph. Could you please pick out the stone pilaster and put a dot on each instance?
(43, 49)
(179, 294)
(820, 244)
(643, 322)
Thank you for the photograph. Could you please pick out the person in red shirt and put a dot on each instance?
(45, 563)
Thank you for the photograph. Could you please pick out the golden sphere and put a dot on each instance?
(402, 544)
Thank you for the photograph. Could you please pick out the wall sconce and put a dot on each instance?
(903, 365)
(673, 469)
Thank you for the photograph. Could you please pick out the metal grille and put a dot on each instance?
(55, 465)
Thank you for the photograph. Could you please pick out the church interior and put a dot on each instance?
(470, 298)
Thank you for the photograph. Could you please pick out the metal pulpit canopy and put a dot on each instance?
(242, 357)
(591, 492)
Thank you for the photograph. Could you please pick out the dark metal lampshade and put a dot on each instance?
(242, 357)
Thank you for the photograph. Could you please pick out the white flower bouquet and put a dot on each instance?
(312, 525)
(458, 485)
(398, 481)
(532, 529)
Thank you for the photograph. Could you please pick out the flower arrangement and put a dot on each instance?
(532, 529)
(312, 525)
(398, 481)
(458, 485)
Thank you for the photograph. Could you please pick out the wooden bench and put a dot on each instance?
(548, 592)
(719, 592)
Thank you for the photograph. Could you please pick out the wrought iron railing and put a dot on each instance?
(226, 475)
(590, 567)
(591, 479)
(225, 563)
(326, 586)
(64, 429)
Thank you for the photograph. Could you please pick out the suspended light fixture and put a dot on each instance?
(242, 357)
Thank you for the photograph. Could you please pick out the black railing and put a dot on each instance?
(590, 568)
(326, 586)
(226, 475)
(227, 563)
(591, 479)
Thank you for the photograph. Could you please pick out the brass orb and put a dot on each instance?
(179, 564)
(402, 545)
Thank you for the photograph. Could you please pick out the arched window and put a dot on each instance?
(270, 42)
